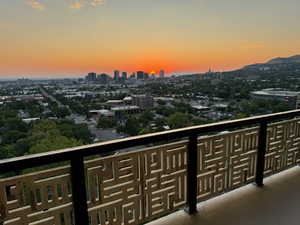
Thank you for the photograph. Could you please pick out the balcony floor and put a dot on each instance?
(277, 203)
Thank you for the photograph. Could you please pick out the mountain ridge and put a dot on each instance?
(291, 59)
(276, 63)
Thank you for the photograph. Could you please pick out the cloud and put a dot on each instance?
(96, 2)
(35, 4)
(77, 4)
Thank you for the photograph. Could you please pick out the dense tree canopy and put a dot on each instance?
(106, 122)
(178, 120)
(18, 138)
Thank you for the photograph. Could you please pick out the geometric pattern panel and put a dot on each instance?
(135, 187)
(129, 188)
(42, 198)
(283, 146)
(226, 161)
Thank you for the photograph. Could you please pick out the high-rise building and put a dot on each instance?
(146, 76)
(161, 73)
(103, 78)
(91, 76)
(140, 75)
(132, 76)
(116, 75)
(124, 75)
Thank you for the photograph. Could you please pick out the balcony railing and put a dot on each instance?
(139, 186)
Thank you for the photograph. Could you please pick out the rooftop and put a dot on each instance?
(200, 107)
(125, 107)
(276, 92)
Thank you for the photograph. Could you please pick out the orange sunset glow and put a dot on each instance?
(59, 37)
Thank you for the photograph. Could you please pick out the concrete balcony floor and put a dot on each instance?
(277, 203)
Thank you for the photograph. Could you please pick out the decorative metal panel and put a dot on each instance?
(226, 161)
(136, 187)
(129, 188)
(42, 198)
(283, 146)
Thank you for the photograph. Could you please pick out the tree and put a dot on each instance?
(82, 133)
(240, 116)
(62, 112)
(146, 130)
(132, 126)
(165, 111)
(44, 127)
(47, 136)
(53, 143)
(19, 148)
(106, 122)
(161, 102)
(15, 124)
(146, 117)
(12, 136)
(178, 120)
(182, 107)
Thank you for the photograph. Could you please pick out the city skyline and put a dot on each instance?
(43, 38)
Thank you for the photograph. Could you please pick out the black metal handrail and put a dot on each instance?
(76, 156)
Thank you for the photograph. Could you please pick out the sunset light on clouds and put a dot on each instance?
(73, 37)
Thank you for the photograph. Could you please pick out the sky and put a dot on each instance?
(51, 38)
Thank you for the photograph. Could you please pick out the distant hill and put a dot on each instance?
(292, 59)
(280, 63)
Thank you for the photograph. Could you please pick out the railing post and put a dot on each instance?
(192, 161)
(261, 152)
(79, 191)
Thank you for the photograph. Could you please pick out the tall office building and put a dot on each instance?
(103, 78)
(116, 75)
(161, 73)
(132, 76)
(140, 75)
(124, 75)
(91, 76)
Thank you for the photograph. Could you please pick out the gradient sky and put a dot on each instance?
(72, 37)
